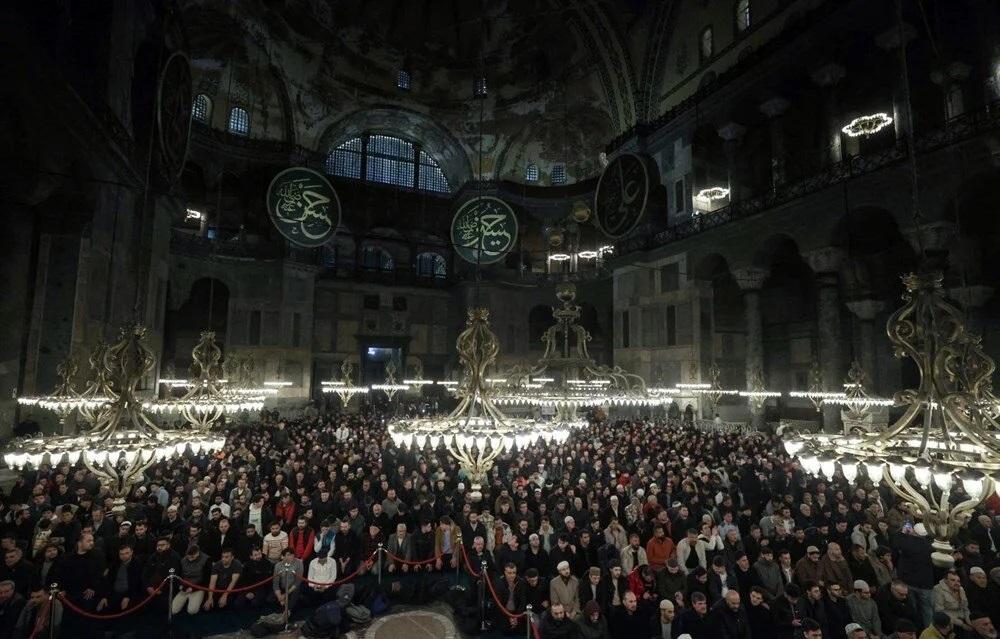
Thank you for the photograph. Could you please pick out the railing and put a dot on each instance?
(956, 130)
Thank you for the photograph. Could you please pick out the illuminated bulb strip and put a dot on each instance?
(496, 380)
(191, 214)
(714, 391)
(278, 384)
(390, 387)
(447, 383)
(587, 255)
(560, 257)
(860, 402)
(816, 394)
(417, 382)
(330, 383)
(713, 193)
(348, 390)
(867, 125)
(605, 250)
(171, 382)
(543, 380)
(694, 386)
(760, 394)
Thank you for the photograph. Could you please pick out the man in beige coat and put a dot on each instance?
(565, 589)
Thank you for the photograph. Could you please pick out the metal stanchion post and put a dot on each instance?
(527, 626)
(170, 596)
(378, 562)
(53, 592)
(288, 593)
(456, 551)
(482, 594)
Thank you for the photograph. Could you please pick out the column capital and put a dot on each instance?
(774, 107)
(825, 260)
(829, 74)
(750, 278)
(731, 131)
(971, 296)
(895, 36)
(867, 309)
(954, 72)
(934, 236)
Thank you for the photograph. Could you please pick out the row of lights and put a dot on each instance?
(583, 255)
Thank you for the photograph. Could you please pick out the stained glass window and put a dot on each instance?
(531, 173)
(431, 177)
(388, 160)
(403, 80)
(345, 160)
(431, 265)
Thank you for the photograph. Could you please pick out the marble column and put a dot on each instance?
(774, 109)
(890, 40)
(827, 77)
(825, 264)
(750, 281)
(732, 133)
(866, 310)
(950, 78)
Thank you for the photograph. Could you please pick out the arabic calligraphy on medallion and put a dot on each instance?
(303, 206)
(484, 230)
(622, 195)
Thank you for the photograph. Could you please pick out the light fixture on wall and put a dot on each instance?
(713, 193)
(560, 257)
(947, 437)
(867, 125)
(192, 215)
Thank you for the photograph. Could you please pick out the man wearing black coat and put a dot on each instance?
(694, 619)
(837, 613)
(758, 613)
(124, 583)
(511, 592)
(628, 621)
(786, 612)
(11, 605)
(727, 619)
(912, 558)
(895, 602)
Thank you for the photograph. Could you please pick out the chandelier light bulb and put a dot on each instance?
(942, 478)
(922, 471)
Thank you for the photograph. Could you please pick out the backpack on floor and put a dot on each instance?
(268, 625)
(324, 623)
(358, 615)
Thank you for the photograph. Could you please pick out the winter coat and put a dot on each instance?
(956, 605)
(865, 612)
(567, 593)
(768, 575)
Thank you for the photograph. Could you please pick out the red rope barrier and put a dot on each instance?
(493, 592)
(40, 619)
(191, 584)
(535, 631)
(114, 615)
(468, 566)
(410, 562)
(334, 583)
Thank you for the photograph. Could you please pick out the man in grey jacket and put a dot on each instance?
(768, 573)
(864, 610)
(285, 584)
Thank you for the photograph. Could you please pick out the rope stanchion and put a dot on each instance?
(114, 615)
(410, 562)
(171, 576)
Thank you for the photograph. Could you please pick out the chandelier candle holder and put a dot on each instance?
(344, 388)
(816, 394)
(241, 378)
(390, 386)
(123, 442)
(205, 404)
(64, 400)
(714, 393)
(867, 125)
(566, 378)
(476, 433)
(942, 456)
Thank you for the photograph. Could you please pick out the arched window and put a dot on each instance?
(531, 173)
(705, 45)
(388, 160)
(559, 174)
(201, 108)
(431, 265)
(376, 258)
(403, 80)
(239, 121)
(742, 15)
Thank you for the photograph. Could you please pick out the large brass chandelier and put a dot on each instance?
(122, 442)
(204, 403)
(942, 456)
(476, 432)
(566, 378)
(344, 387)
(64, 400)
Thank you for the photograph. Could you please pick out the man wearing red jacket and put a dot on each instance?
(301, 540)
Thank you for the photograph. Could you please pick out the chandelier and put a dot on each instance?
(64, 399)
(566, 378)
(122, 441)
(855, 398)
(476, 432)
(942, 456)
(815, 393)
(204, 403)
(867, 125)
(344, 387)
(712, 390)
(390, 386)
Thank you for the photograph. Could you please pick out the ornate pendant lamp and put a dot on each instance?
(123, 442)
(344, 387)
(942, 456)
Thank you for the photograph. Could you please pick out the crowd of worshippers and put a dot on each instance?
(634, 529)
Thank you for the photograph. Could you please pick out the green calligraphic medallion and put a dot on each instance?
(622, 194)
(303, 206)
(484, 230)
